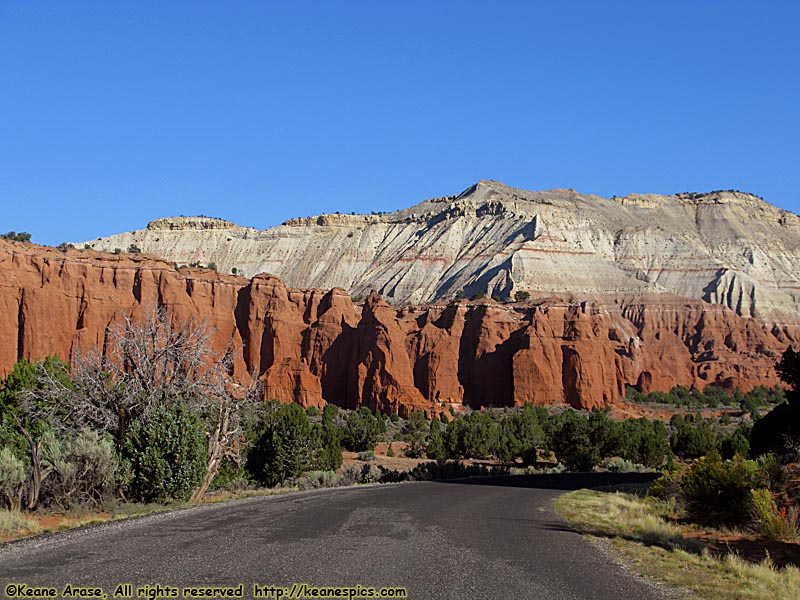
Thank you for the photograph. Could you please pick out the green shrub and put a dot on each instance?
(24, 421)
(13, 236)
(329, 413)
(571, 441)
(318, 479)
(773, 472)
(285, 446)
(520, 436)
(718, 491)
(667, 487)
(166, 453)
(779, 430)
(415, 432)
(435, 448)
(230, 476)
(622, 465)
(473, 436)
(788, 368)
(734, 444)
(712, 396)
(84, 469)
(692, 439)
(644, 441)
(12, 479)
(580, 442)
(480, 435)
(329, 452)
(361, 430)
(771, 522)
(634, 395)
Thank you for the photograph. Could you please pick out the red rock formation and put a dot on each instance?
(381, 369)
(313, 346)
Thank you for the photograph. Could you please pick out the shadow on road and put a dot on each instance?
(561, 481)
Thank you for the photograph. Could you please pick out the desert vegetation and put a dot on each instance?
(722, 520)
(13, 236)
(152, 419)
(646, 535)
(754, 401)
(159, 419)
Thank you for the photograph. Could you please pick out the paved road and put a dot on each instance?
(494, 538)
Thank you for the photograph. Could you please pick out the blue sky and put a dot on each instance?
(114, 113)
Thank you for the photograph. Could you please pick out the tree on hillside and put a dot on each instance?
(13, 236)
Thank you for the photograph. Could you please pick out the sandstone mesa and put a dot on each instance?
(726, 248)
(650, 291)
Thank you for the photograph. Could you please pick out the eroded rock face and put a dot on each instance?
(726, 248)
(313, 346)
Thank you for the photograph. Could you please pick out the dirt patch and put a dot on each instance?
(56, 522)
(749, 547)
(629, 410)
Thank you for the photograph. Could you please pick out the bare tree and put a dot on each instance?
(157, 361)
(225, 417)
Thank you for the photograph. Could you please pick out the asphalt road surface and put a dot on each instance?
(489, 538)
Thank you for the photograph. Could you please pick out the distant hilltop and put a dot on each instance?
(723, 247)
(189, 223)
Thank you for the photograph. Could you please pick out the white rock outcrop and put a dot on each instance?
(726, 248)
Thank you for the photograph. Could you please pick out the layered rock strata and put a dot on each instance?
(727, 248)
(313, 346)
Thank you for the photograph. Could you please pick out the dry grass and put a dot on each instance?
(657, 549)
(14, 525)
(620, 515)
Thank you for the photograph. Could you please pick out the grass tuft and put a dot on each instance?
(621, 515)
(655, 548)
(14, 524)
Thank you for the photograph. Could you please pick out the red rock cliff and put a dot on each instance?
(313, 346)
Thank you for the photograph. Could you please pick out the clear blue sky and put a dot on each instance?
(114, 113)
